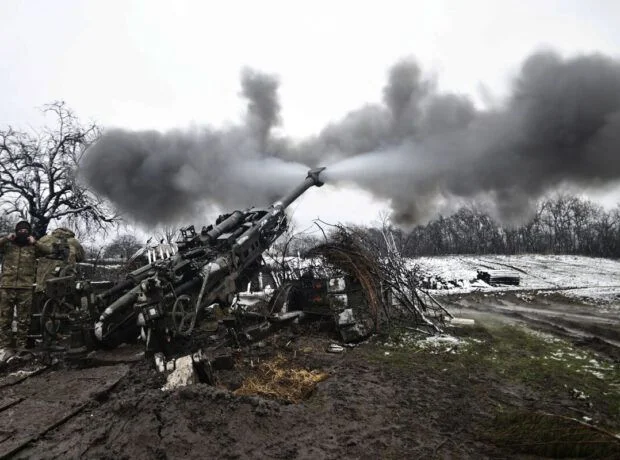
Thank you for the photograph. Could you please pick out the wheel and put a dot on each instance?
(54, 315)
(183, 315)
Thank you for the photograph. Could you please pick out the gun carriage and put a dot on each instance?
(164, 302)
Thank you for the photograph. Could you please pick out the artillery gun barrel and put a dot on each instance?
(230, 222)
(131, 280)
(277, 208)
(237, 217)
(311, 179)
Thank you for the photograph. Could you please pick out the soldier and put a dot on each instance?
(66, 252)
(20, 251)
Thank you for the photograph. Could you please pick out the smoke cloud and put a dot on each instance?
(559, 126)
(423, 150)
(261, 91)
(156, 178)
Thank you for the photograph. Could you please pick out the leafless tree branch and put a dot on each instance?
(38, 176)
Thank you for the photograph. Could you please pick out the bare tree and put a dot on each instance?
(38, 179)
(123, 247)
(167, 233)
(6, 224)
(563, 224)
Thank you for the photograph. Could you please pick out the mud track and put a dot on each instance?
(365, 408)
(584, 324)
(36, 401)
(361, 411)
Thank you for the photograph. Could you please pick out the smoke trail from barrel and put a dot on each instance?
(423, 150)
(559, 126)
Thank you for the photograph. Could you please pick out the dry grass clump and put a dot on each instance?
(277, 379)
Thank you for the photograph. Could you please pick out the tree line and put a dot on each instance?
(563, 224)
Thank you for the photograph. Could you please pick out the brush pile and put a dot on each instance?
(391, 287)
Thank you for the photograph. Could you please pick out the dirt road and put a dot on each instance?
(596, 325)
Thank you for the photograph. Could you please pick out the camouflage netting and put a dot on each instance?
(391, 288)
(345, 254)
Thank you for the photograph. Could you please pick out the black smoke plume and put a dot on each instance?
(261, 91)
(155, 177)
(559, 126)
(423, 150)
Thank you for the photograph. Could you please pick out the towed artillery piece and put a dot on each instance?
(165, 301)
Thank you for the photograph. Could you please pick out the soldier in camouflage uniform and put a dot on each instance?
(66, 252)
(20, 251)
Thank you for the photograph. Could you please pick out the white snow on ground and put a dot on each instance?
(591, 279)
(435, 344)
(581, 361)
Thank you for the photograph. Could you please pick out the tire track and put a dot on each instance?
(34, 404)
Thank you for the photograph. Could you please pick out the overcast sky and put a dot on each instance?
(152, 64)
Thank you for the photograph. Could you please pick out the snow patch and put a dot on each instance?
(590, 279)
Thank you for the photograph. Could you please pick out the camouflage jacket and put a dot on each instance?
(19, 263)
(66, 251)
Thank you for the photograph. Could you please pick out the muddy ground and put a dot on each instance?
(376, 402)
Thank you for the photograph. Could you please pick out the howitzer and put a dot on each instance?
(166, 299)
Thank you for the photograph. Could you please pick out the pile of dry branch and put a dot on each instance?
(391, 286)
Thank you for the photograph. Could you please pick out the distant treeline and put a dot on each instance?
(561, 225)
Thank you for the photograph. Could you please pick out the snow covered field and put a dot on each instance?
(590, 279)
